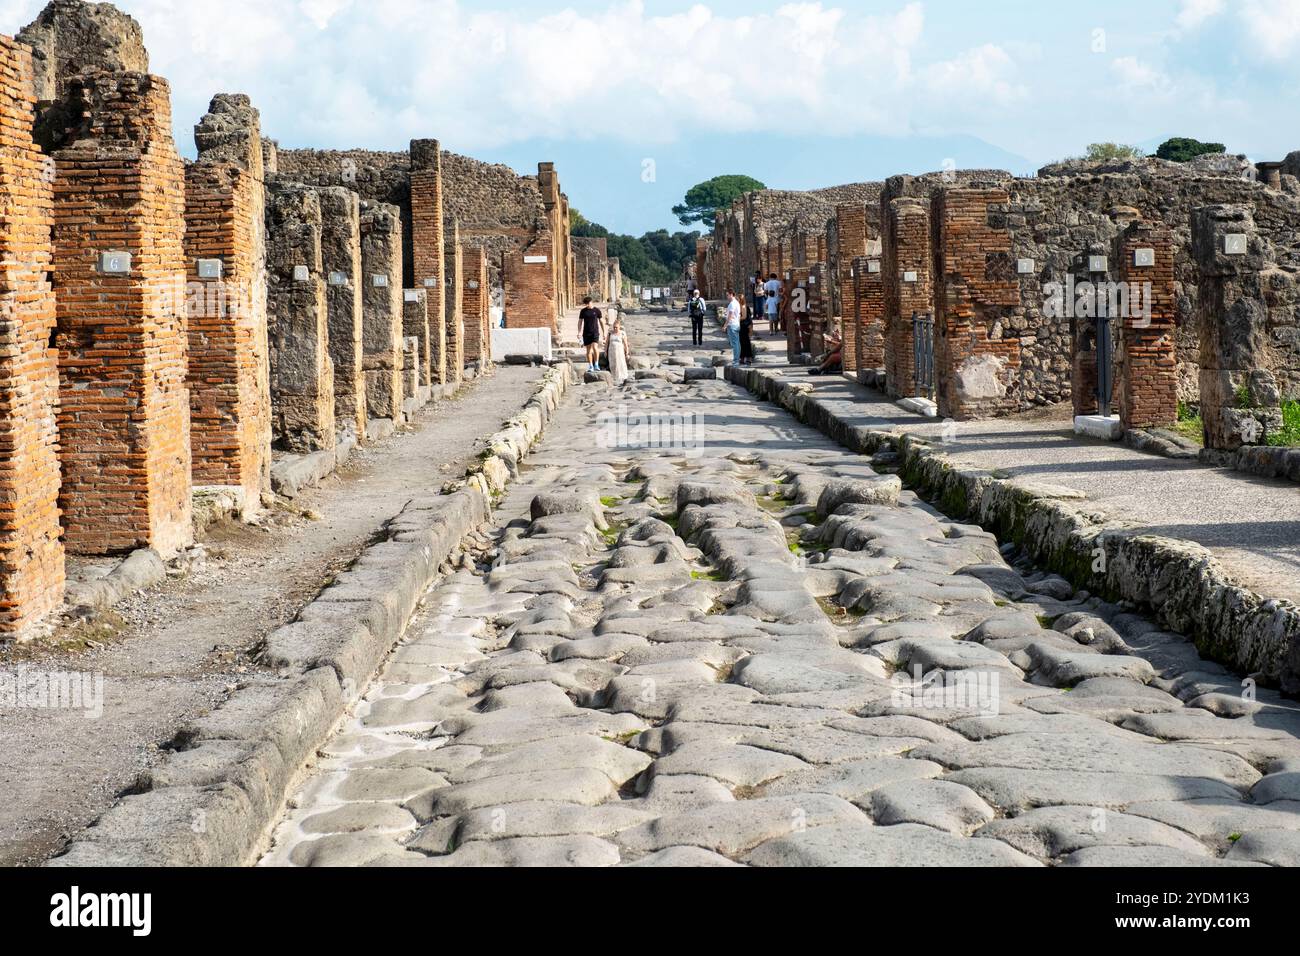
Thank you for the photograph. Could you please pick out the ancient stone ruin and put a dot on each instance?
(174, 329)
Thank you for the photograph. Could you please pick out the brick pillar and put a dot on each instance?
(1148, 363)
(225, 249)
(907, 285)
(428, 237)
(530, 292)
(474, 306)
(31, 554)
(302, 374)
(453, 268)
(124, 420)
(851, 227)
(1240, 401)
(868, 310)
(341, 262)
(415, 325)
(976, 300)
(818, 293)
(381, 309)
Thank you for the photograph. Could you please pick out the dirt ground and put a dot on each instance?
(172, 652)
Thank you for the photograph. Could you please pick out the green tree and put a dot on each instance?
(1180, 149)
(704, 199)
(1106, 152)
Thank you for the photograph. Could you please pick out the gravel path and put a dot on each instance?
(178, 649)
(757, 650)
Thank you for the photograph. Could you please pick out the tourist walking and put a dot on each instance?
(617, 350)
(772, 302)
(697, 309)
(591, 326)
(733, 326)
(747, 337)
(757, 298)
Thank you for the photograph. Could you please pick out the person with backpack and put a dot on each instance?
(697, 309)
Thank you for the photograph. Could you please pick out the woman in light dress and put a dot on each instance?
(617, 349)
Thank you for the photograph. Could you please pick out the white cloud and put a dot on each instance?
(1136, 77)
(1274, 25)
(1192, 13)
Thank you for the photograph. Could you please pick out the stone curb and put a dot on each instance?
(213, 800)
(1179, 582)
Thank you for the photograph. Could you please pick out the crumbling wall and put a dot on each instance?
(851, 232)
(341, 261)
(1147, 393)
(225, 247)
(119, 268)
(428, 226)
(302, 374)
(31, 553)
(415, 325)
(453, 321)
(907, 285)
(495, 207)
(70, 36)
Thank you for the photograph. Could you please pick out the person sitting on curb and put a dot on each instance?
(831, 362)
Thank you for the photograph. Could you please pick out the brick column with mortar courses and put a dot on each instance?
(428, 237)
(869, 308)
(124, 418)
(1240, 400)
(302, 374)
(340, 211)
(976, 294)
(474, 306)
(851, 219)
(381, 309)
(225, 250)
(530, 285)
(1148, 363)
(908, 288)
(415, 325)
(453, 320)
(31, 554)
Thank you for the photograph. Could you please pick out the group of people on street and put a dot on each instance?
(591, 327)
(764, 300)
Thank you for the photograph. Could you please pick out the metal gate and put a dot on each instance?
(923, 354)
(1105, 365)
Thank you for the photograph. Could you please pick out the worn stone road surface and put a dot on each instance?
(758, 649)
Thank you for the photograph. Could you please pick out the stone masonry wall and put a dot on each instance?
(453, 319)
(302, 374)
(70, 36)
(124, 421)
(868, 312)
(415, 325)
(341, 262)
(31, 553)
(381, 309)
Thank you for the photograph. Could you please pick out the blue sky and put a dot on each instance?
(797, 94)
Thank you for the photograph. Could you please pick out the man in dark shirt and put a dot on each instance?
(592, 329)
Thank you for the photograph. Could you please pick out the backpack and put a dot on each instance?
(697, 308)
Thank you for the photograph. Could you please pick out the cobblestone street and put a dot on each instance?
(747, 645)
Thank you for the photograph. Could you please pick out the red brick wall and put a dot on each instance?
(124, 421)
(977, 291)
(906, 248)
(428, 235)
(229, 392)
(474, 306)
(530, 294)
(31, 554)
(868, 309)
(1147, 387)
(851, 222)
